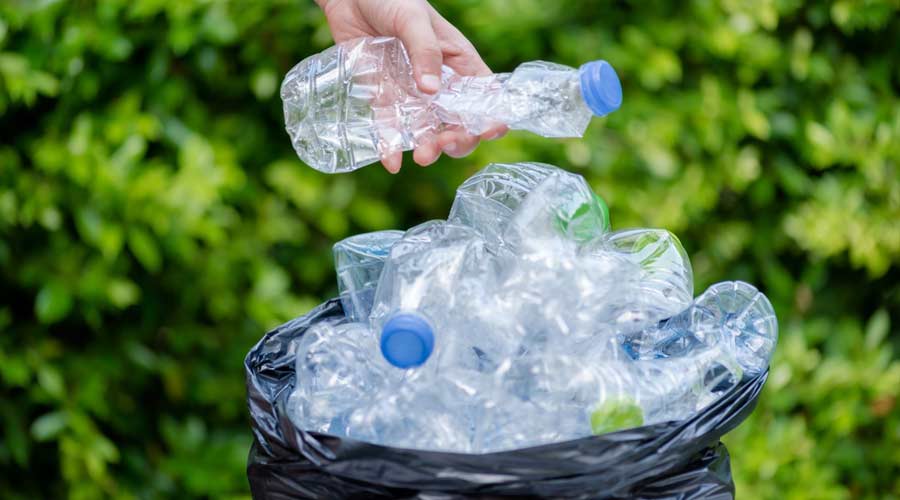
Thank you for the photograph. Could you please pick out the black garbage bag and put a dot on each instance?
(682, 459)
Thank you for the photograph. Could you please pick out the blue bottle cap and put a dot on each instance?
(406, 340)
(600, 87)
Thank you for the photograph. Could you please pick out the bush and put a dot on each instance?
(155, 221)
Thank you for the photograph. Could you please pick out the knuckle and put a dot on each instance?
(404, 14)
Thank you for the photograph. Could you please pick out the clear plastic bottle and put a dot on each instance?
(665, 266)
(336, 373)
(660, 390)
(542, 201)
(424, 410)
(731, 315)
(588, 395)
(560, 214)
(660, 281)
(357, 102)
(551, 233)
(358, 261)
(487, 200)
(432, 296)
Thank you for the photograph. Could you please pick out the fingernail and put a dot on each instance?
(431, 83)
(450, 148)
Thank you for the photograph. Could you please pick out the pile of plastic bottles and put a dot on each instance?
(521, 320)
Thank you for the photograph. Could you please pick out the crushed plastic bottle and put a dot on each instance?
(336, 374)
(358, 261)
(548, 99)
(660, 284)
(561, 211)
(425, 410)
(664, 264)
(429, 297)
(587, 396)
(487, 200)
(529, 204)
(660, 390)
(357, 102)
(732, 314)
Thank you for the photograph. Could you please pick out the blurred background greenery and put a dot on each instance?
(155, 221)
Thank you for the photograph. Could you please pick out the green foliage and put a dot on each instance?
(155, 221)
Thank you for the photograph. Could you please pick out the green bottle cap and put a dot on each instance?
(615, 415)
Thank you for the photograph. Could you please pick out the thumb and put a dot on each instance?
(414, 29)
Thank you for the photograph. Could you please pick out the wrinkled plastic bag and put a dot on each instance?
(682, 460)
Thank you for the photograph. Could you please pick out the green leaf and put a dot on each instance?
(53, 303)
(15, 371)
(122, 293)
(218, 24)
(877, 329)
(264, 83)
(15, 433)
(49, 425)
(144, 248)
(51, 381)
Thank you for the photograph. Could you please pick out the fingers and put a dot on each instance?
(427, 153)
(459, 53)
(431, 41)
(393, 162)
(494, 132)
(413, 27)
(457, 143)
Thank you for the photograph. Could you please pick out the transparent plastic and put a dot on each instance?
(357, 102)
(661, 284)
(487, 200)
(442, 272)
(541, 97)
(550, 233)
(358, 261)
(336, 373)
(730, 314)
(524, 321)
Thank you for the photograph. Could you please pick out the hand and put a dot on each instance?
(430, 41)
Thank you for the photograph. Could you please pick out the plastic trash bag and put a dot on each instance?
(682, 460)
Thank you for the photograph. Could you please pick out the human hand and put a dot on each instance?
(430, 42)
